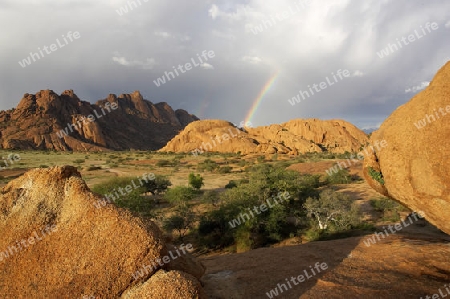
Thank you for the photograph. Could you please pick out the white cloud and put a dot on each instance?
(241, 12)
(358, 73)
(206, 66)
(214, 12)
(163, 34)
(417, 88)
(185, 38)
(447, 25)
(148, 64)
(252, 59)
(223, 35)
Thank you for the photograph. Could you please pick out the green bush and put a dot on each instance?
(243, 239)
(163, 163)
(333, 211)
(342, 176)
(264, 183)
(158, 185)
(211, 197)
(225, 169)
(93, 167)
(181, 221)
(195, 181)
(179, 194)
(78, 161)
(132, 201)
(376, 175)
(261, 159)
(388, 207)
(242, 163)
(231, 184)
(208, 165)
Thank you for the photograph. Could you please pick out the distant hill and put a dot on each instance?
(293, 137)
(46, 120)
(369, 130)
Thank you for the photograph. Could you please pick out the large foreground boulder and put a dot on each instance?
(55, 243)
(414, 167)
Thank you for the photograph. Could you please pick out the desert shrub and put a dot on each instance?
(225, 169)
(210, 197)
(313, 234)
(195, 181)
(231, 184)
(376, 175)
(163, 163)
(78, 161)
(214, 231)
(158, 185)
(132, 201)
(236, 219)
(208, 165)
(282, 164)
(243, 239)
(181, 221)
(388, 207)
(342, 176)
(179, 194)
(242, 163)
(93, 167)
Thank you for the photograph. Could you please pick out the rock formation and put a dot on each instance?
(55, 243)
(293, 137)
(414, 167)
(64, 122)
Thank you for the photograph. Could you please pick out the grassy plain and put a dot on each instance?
(218, 170)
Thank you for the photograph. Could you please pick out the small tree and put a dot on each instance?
(196, 181)
(158, 185)
(181, 221)
(332, 207)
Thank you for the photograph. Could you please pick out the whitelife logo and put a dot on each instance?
(90, 118)
(431, 118)
(31, 240)
(131, 5)
(280, 17)
(391, 48)
(9, 160)
(342, 74)
(297, 280)
(50, 49)
(187, 67)
(160, 262)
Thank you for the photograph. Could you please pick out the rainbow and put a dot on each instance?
(260, 96)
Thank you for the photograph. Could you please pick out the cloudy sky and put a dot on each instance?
(263, 54)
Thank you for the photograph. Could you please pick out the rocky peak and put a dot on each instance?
(136, 123)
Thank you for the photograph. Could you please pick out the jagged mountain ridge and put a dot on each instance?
(119, 123)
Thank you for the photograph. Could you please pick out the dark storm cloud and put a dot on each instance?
(308, 40)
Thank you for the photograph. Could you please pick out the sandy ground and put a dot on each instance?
(400, 266)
